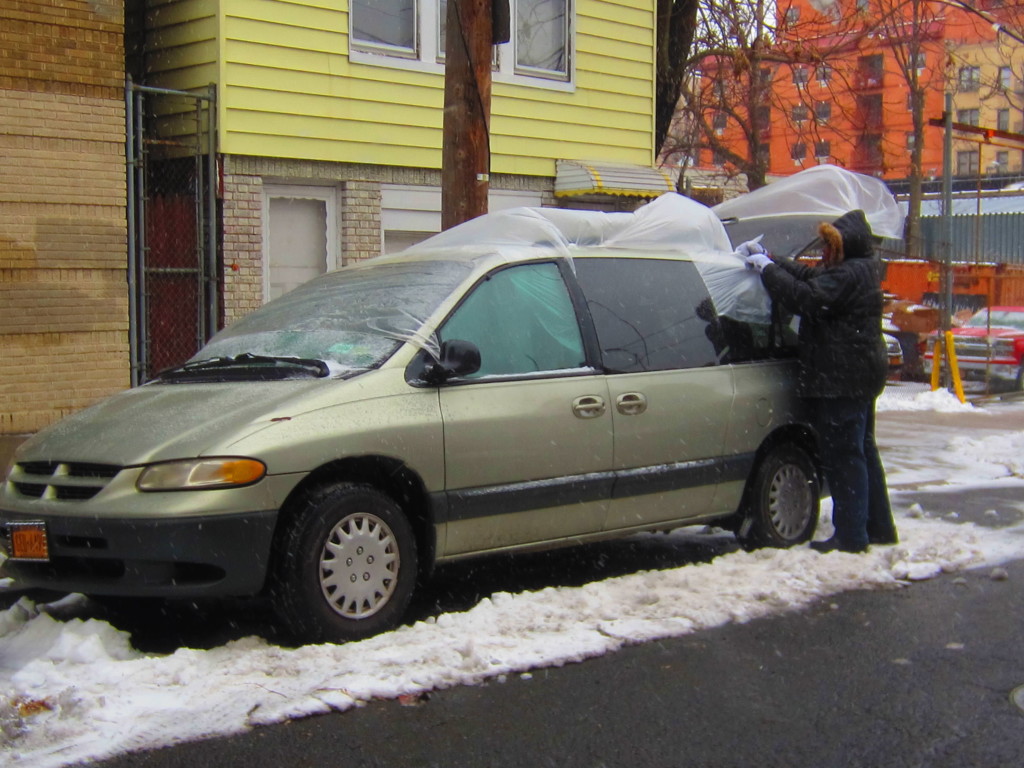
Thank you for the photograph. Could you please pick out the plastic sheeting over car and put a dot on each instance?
(824, 191)
(670, 224)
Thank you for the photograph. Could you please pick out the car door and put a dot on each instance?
(670, 399)
(527, 439)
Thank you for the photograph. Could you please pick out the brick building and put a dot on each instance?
(838, 89)
(63, 298)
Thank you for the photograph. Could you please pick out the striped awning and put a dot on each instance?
(582, 177)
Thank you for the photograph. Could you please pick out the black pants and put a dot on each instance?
(853, 469)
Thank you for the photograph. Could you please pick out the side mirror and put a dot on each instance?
(457, 358)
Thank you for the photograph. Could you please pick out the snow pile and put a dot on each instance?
(940, 400)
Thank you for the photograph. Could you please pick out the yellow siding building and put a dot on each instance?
(329, 114)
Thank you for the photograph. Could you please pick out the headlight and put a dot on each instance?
(201, 474)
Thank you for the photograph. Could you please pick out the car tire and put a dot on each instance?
(345, 565)
(782, 500)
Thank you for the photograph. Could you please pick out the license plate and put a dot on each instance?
(29, 541)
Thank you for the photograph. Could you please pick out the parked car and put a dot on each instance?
(895, 353)
(989, 347)
(457, 400)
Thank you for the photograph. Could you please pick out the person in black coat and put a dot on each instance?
(843, 367)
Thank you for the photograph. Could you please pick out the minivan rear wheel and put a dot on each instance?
(345, 565)
(782, 500)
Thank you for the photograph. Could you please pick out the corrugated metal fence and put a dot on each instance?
(995, 238)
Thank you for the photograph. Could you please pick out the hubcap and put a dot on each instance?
(789, 501)
(359, 566)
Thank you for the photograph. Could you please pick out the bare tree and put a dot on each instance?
(730, 102)
(906, 28)
(677, 20)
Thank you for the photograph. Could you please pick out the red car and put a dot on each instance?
(989, 347)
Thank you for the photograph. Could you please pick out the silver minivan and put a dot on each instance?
(529, 380)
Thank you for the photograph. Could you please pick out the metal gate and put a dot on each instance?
(173, 275)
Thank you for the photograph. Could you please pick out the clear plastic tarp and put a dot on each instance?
(671, 223)
(824, 191)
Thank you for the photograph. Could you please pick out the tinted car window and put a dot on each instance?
(650, 314)
(523, 321)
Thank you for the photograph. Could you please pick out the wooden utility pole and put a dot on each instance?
(466, 153)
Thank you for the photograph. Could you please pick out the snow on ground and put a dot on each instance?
(75, 690)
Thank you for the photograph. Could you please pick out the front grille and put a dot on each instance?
(65, 481)
(972, 348)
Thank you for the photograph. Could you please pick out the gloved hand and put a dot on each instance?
(758, 261)
(750, 247)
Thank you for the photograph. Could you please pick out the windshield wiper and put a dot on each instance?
(247, 367)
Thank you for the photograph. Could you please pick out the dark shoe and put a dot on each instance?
(832, 545)
(884, 540)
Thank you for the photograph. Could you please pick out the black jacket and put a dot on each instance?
(842, 353)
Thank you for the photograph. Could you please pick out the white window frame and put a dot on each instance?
(329, 197)
(428, 56)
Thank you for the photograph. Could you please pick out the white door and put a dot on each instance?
(300, 238)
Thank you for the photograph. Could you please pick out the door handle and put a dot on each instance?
(631, 404)
(588, 406)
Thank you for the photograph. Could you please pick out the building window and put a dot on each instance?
(717, 158)
(766, 75)
(968, 116)
(917, 61)
(800, 76)
(1005, 78)
(823, 73)
(798, 152)
(969, 78)
(386, 24)
(911, 141)
(1002, 161)
(870, 70)
(763, 120)
(1003, 119)
(967, 162)
(799, 113)
(823, 150)
(719, 121)
(823, 111)
(863, 5)
(792, 15)
(542, 37)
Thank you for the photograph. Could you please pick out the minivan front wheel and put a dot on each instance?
(345, 565)
(782, 500)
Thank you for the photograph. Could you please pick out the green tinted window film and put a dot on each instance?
(523, 321)
(650, 314)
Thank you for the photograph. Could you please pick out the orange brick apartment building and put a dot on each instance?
(842, 94)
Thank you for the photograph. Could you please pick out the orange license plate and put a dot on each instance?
(29, 541)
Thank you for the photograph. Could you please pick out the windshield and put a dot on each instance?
(1001, 318)
(352, 319)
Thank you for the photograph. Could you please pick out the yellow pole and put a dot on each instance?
(954, 367)
(936, 362)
